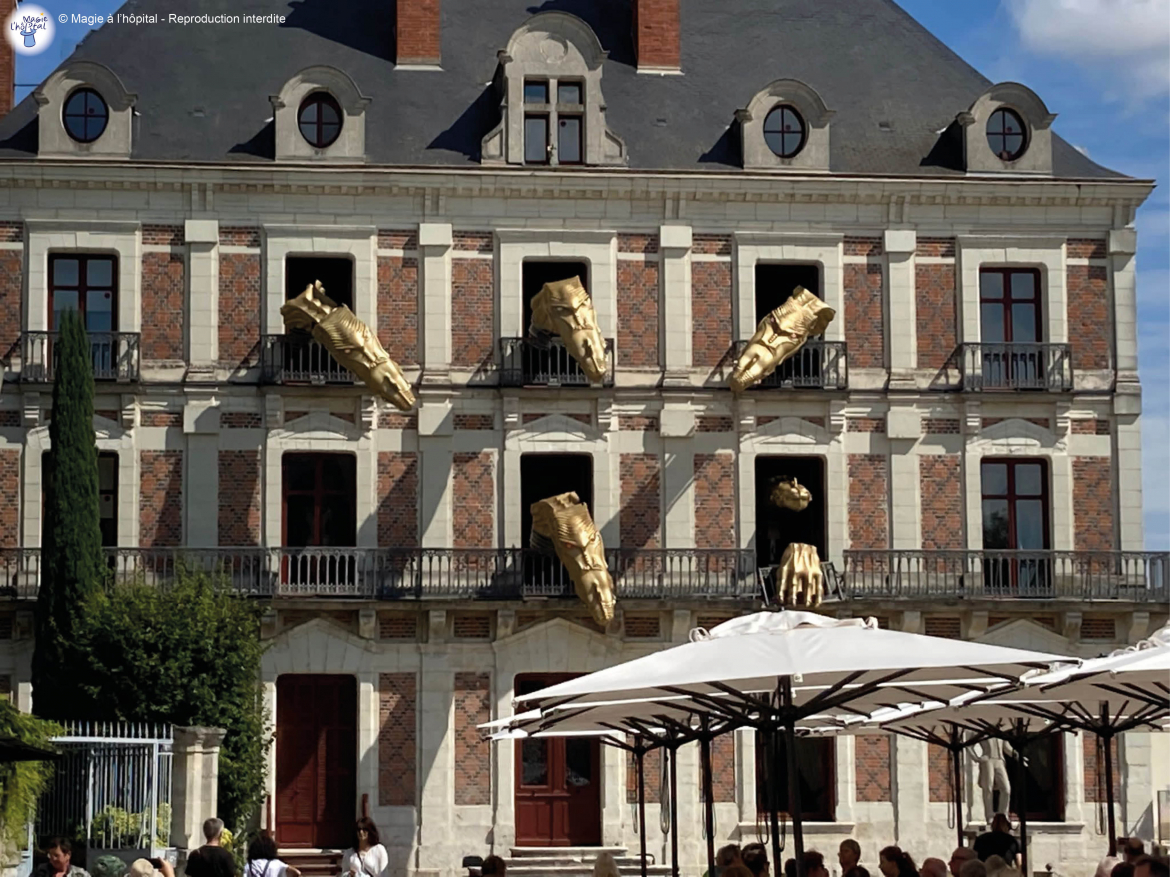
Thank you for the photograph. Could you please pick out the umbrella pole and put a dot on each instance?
(708, 803)
(674, 810)
(773, 796)
(794, 805)
(640, 759)
(1109, 793)
(957, 765)
(1022, 784)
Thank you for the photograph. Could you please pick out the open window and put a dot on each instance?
(1016, 535)
(107, 493)
(777, 527)
(775, 284)
(334, 272)
(319, 513)
(816, 771)
(1043, 779)
(543, 476)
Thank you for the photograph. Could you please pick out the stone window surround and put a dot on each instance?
(1037, 156)
(753, 248)
(813, 154)
(1046, 253)
(350, 144)
(552, 111)
(114, 142)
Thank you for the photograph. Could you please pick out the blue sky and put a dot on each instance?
(1103, 66)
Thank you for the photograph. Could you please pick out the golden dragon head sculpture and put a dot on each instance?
(350, 342)
(788, 493)
(779, 335)
(565, 521)
(564, 308)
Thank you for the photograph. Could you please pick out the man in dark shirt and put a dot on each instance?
(211, 859)
(998, 842)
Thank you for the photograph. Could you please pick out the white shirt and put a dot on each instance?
(372, 863)
(265, 868)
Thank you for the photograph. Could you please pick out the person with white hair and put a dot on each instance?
(211, 859)
(933, 868)
(606, 865)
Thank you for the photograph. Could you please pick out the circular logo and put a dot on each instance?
(29, 29)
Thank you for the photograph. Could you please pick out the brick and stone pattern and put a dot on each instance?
(941, 486)
(637, 304)
(868, 507)
(397, 739)
(641, 525)
(475, 422)
(714, 423)
(872, 767)
(1094, 751)
(1092, 504)
(1088, 316)
(239, 498)
(239, 420)
(473, 754)
(1087, 248)
(162, 235)
(397, 499)
(398, 308)
(723, 769)
(473, 509)
(159, 418)
(651, 776)
(714, 501)
(863, 315)
(711, 333)
(866, 424)
(239, 308)
(934, 293)
(9, 497)
(474, 241)
(11, 285)
(857, 246)
(163, 284)
(940, 426)
(160, 499)
(637, 243)
(472, 312)
(939, 774)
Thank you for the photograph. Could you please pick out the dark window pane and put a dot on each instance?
(534, 762)
(1023, 285)
(1012, 144)
(569, 93)
(300, 474)
(65, 272)
(338, 523)
(578, 762)
(990, 284)
(329, 114)
(1024, 323)
(535, 92)
(995, 479)
(569, 140)
(99, 272)
(995, 524)
(309, 115)
(784, 131)
(991, 322)
(1029, 524)
(536, 139)
(1029, 479)
(775, 141)
(300, 512)
(107, 471)
(99, 311)
(338, 472)
(63, 300)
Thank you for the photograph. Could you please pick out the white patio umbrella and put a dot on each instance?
(770, 670)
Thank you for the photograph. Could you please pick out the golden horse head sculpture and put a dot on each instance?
(565, 309)
(778, 336)
(565, 521)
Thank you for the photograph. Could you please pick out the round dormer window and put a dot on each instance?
(86, 115)
(784, 131)
(319, 119)
(1006, 134)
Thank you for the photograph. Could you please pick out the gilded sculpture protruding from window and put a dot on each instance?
(562, 524)
(779, 335)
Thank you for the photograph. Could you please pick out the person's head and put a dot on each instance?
(1001, 823)
(141, 868)
(933, 868)
(1105, 866)
(814, 864)
(848, 854)
(790, 868)
(365, 834)
(728, 855)
(1132, 849)
(492, 865)
(213, 830)
(737, 870)
(755, 857)
(960, 856)
(60, 853)
(973, 868)
(604, 866)
(262, 847)
(1122, 869)
(995, 865)
(893, 862)
(1150, 866)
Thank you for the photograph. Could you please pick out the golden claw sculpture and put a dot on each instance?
(779, 335)
(564, 521)
(564, 308)
(791, 494)
(799, 581)
(350, 341)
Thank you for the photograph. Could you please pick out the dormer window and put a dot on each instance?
(542, 118)
(84, 111)
(785, 126)
(1006, 134)
(320, 115)
(85, 116)
(1008, 129)
(784, 131)
(319, 119)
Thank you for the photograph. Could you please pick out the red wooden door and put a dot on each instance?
(558, 784)
(316, 760)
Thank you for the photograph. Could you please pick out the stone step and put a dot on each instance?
(578, 854)
(575, 862)
(313, 863)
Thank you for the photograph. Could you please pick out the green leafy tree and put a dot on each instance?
(22, 782)
(71, 549)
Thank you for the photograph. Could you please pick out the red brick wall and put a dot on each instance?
(651, 775)
(474, 500)
(11, 279)
(476, 241)
(239, 497)
(939, 774)
(637, 341)
(163, 281)
(398, 499)
(9, 497)
(397, 735)
(941, 483)
(472, 312)
(641, 524)
(1092, 504)
(473, 754)
(714, 501)
(863, 246)
(1095, 768)
(398, 308)
(868, 490)
(940, 426)
(7, 65)
(419, 32)
(1088, 315)
(711, 331)
(637, 243)
(872, 767)
(239, 307)
(1086, 248)
(656, 33)
(723, 769)
(863, 315)
(934, 293)
(160, 499)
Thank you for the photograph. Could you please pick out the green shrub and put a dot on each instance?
(22, 782)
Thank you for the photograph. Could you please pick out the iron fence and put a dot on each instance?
(296, 358)
(525, 362)
(114, 355)
(818, 365)
(1015, 366)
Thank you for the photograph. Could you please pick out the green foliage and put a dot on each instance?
(188, 654)
(71, 551)
(22, 782)
(115, 827)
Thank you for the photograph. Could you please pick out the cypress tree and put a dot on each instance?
(72, 565)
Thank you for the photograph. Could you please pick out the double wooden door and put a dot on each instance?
(316, 761)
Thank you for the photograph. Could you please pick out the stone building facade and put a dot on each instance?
(966, 483)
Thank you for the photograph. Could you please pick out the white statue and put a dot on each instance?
(992, 756)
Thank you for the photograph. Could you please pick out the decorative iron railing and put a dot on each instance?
(1015, 366)
(818, 365)
(115, 356)
(527, 363)
(297, 359)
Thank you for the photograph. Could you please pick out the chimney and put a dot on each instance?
(656, 36)
(418, 33)
(7, 64)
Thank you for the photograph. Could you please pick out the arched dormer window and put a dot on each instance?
(553, 112)
(785, 127)
(1008, 129)
(320, 115)
(83, 110)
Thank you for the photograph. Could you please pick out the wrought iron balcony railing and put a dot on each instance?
(410, 573)
(525, 363)
(1015, 366)
(818, 365)
(1135, 576)
(114, 356)
(297, 359)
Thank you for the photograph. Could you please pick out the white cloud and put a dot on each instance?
(1083, 150)
(1127, 39)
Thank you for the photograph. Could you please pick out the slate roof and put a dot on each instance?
(893, 86)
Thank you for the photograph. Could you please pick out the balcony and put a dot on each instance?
(297, 359)
(114, 356)
(411, 573)
(525, 363)
(818, 365)
(1014, 366)
(1132, 576)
